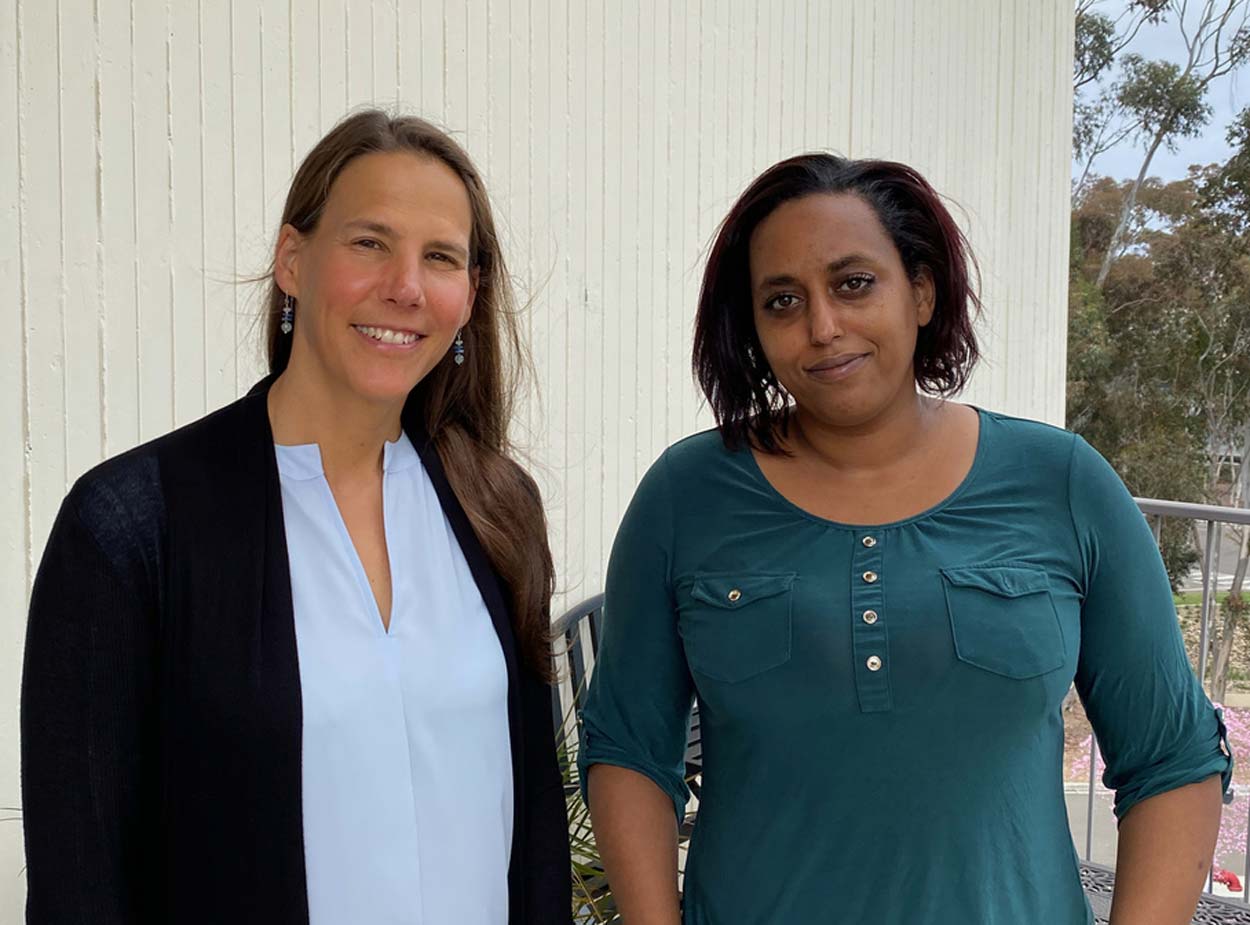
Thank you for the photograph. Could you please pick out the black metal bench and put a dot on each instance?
(578, 633)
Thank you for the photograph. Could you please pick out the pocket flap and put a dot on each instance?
(1003, 580)
(733, 591)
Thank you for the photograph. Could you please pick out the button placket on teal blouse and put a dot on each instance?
(880, 706)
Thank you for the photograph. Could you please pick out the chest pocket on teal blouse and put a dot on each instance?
(735, 626)
(1003, 619)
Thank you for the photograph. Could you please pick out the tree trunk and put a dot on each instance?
(1130, 201)
(1243, 558)
(1223, 656)
(1242, 494)
(1228, 630)
(1200, 544)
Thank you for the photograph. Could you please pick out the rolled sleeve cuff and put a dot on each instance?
(594, 750)
(1201, 760)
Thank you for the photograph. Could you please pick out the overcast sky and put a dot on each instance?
(1226, 97)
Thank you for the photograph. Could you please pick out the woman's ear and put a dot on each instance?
(286, 260)
(923, 292)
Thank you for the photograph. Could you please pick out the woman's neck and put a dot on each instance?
(349, 431)
(881, 443)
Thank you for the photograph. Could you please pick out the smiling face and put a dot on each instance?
(835, 312)
(383, 281)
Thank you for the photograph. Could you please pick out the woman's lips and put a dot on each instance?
(388, 338)
(837, 368)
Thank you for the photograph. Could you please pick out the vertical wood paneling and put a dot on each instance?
(43, 256)
(595, 282)
(654, 255)
(155, 140)
(277, 125)
(456, 75)
(253, 237)
(304, 88)
(576, 469)
(15, 541)
(331, 63)
(152, 239)
(186, 144)
(384, 20)
(358, 41)
(120, 334)
(79, 233)
(217, 168)
(430, 48)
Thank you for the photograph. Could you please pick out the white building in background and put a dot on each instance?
(146, 149)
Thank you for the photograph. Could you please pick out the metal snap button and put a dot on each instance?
(870, 617)
(869, 541)
(734, 595)
(874, 663)
(870, 577)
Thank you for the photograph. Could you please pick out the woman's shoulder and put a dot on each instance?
(1042, 446)
(690, 454)
(687, 464)
(123, 496)
(690, 474)
(118, 507)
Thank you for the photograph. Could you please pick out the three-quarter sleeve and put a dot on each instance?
(637, 711)
(1156, 728)
(87, 719)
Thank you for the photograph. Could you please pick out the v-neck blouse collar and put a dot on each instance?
(303, 461)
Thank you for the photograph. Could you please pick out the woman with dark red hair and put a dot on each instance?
(880, 598)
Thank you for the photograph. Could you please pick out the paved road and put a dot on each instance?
(1226, 562)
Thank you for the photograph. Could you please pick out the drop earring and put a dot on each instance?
(288, 314)
(457, 349)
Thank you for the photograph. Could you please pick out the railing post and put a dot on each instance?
(1089, 802)
(1204, 632)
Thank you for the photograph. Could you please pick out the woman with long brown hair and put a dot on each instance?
(288, 663)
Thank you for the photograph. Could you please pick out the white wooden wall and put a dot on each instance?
(146, 147)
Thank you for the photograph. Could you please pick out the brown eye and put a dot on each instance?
(781, 302)
(857, 283)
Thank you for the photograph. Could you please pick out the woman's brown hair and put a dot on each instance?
(464, 409)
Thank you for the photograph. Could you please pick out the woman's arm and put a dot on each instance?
(1162, 739)
(637, 838)
(637, 714)
(1166, 844)
(87, 715)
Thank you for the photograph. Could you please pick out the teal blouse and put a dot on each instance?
(880, 706)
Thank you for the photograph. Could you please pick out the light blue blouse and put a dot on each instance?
(406, 757)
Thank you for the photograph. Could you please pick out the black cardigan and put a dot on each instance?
(161, 710)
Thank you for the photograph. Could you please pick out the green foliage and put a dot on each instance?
(1095, 46)
(1098, 38)
(1164, 99)
(1227, 193)
(1159, 356)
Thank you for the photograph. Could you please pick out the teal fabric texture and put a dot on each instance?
(881, 705)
